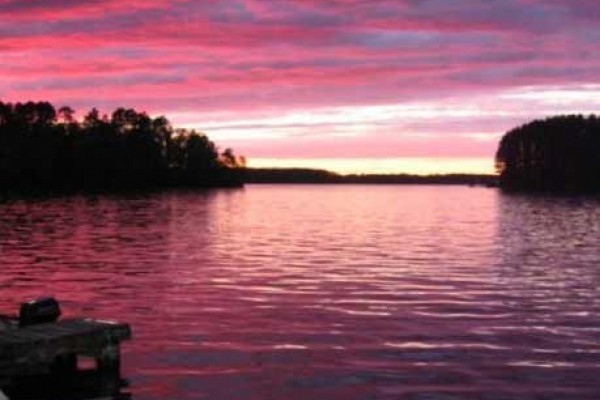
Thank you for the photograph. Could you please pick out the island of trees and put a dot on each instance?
(43, 150)
(556, 154)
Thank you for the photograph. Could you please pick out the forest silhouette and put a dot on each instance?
(314, 176)
(43, 149)
(555, 154)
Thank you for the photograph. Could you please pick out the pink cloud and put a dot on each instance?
(32, 10)
(248, 56)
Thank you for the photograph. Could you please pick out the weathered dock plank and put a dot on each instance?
(37, 349)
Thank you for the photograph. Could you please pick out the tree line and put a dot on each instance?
(45, 149)
(312, 176)
(555, 154)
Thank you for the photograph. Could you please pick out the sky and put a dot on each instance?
(419, 86)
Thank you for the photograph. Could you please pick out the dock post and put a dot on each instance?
(64, 364)
(109, 359)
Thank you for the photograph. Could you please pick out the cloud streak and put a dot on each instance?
(327, 63)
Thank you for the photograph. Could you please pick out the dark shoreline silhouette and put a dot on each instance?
(311, 176)
(559, 154)
(46, 151)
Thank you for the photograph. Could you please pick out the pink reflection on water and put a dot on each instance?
(337, 292)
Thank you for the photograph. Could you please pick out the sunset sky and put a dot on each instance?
(350, 85)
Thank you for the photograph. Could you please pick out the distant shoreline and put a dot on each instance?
(273, 176)
(318, 176)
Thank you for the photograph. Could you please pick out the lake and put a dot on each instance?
(325, 292)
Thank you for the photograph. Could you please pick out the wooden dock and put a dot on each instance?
(54, 348)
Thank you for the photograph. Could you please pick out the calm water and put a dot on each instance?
(326, 292)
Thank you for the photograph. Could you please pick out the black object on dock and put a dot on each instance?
(42, 348)
(39, 311)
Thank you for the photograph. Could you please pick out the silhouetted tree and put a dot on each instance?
(228, 159)
(45, 150)
(66, 115)
(559, 153)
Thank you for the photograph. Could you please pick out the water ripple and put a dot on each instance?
(332, 292)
